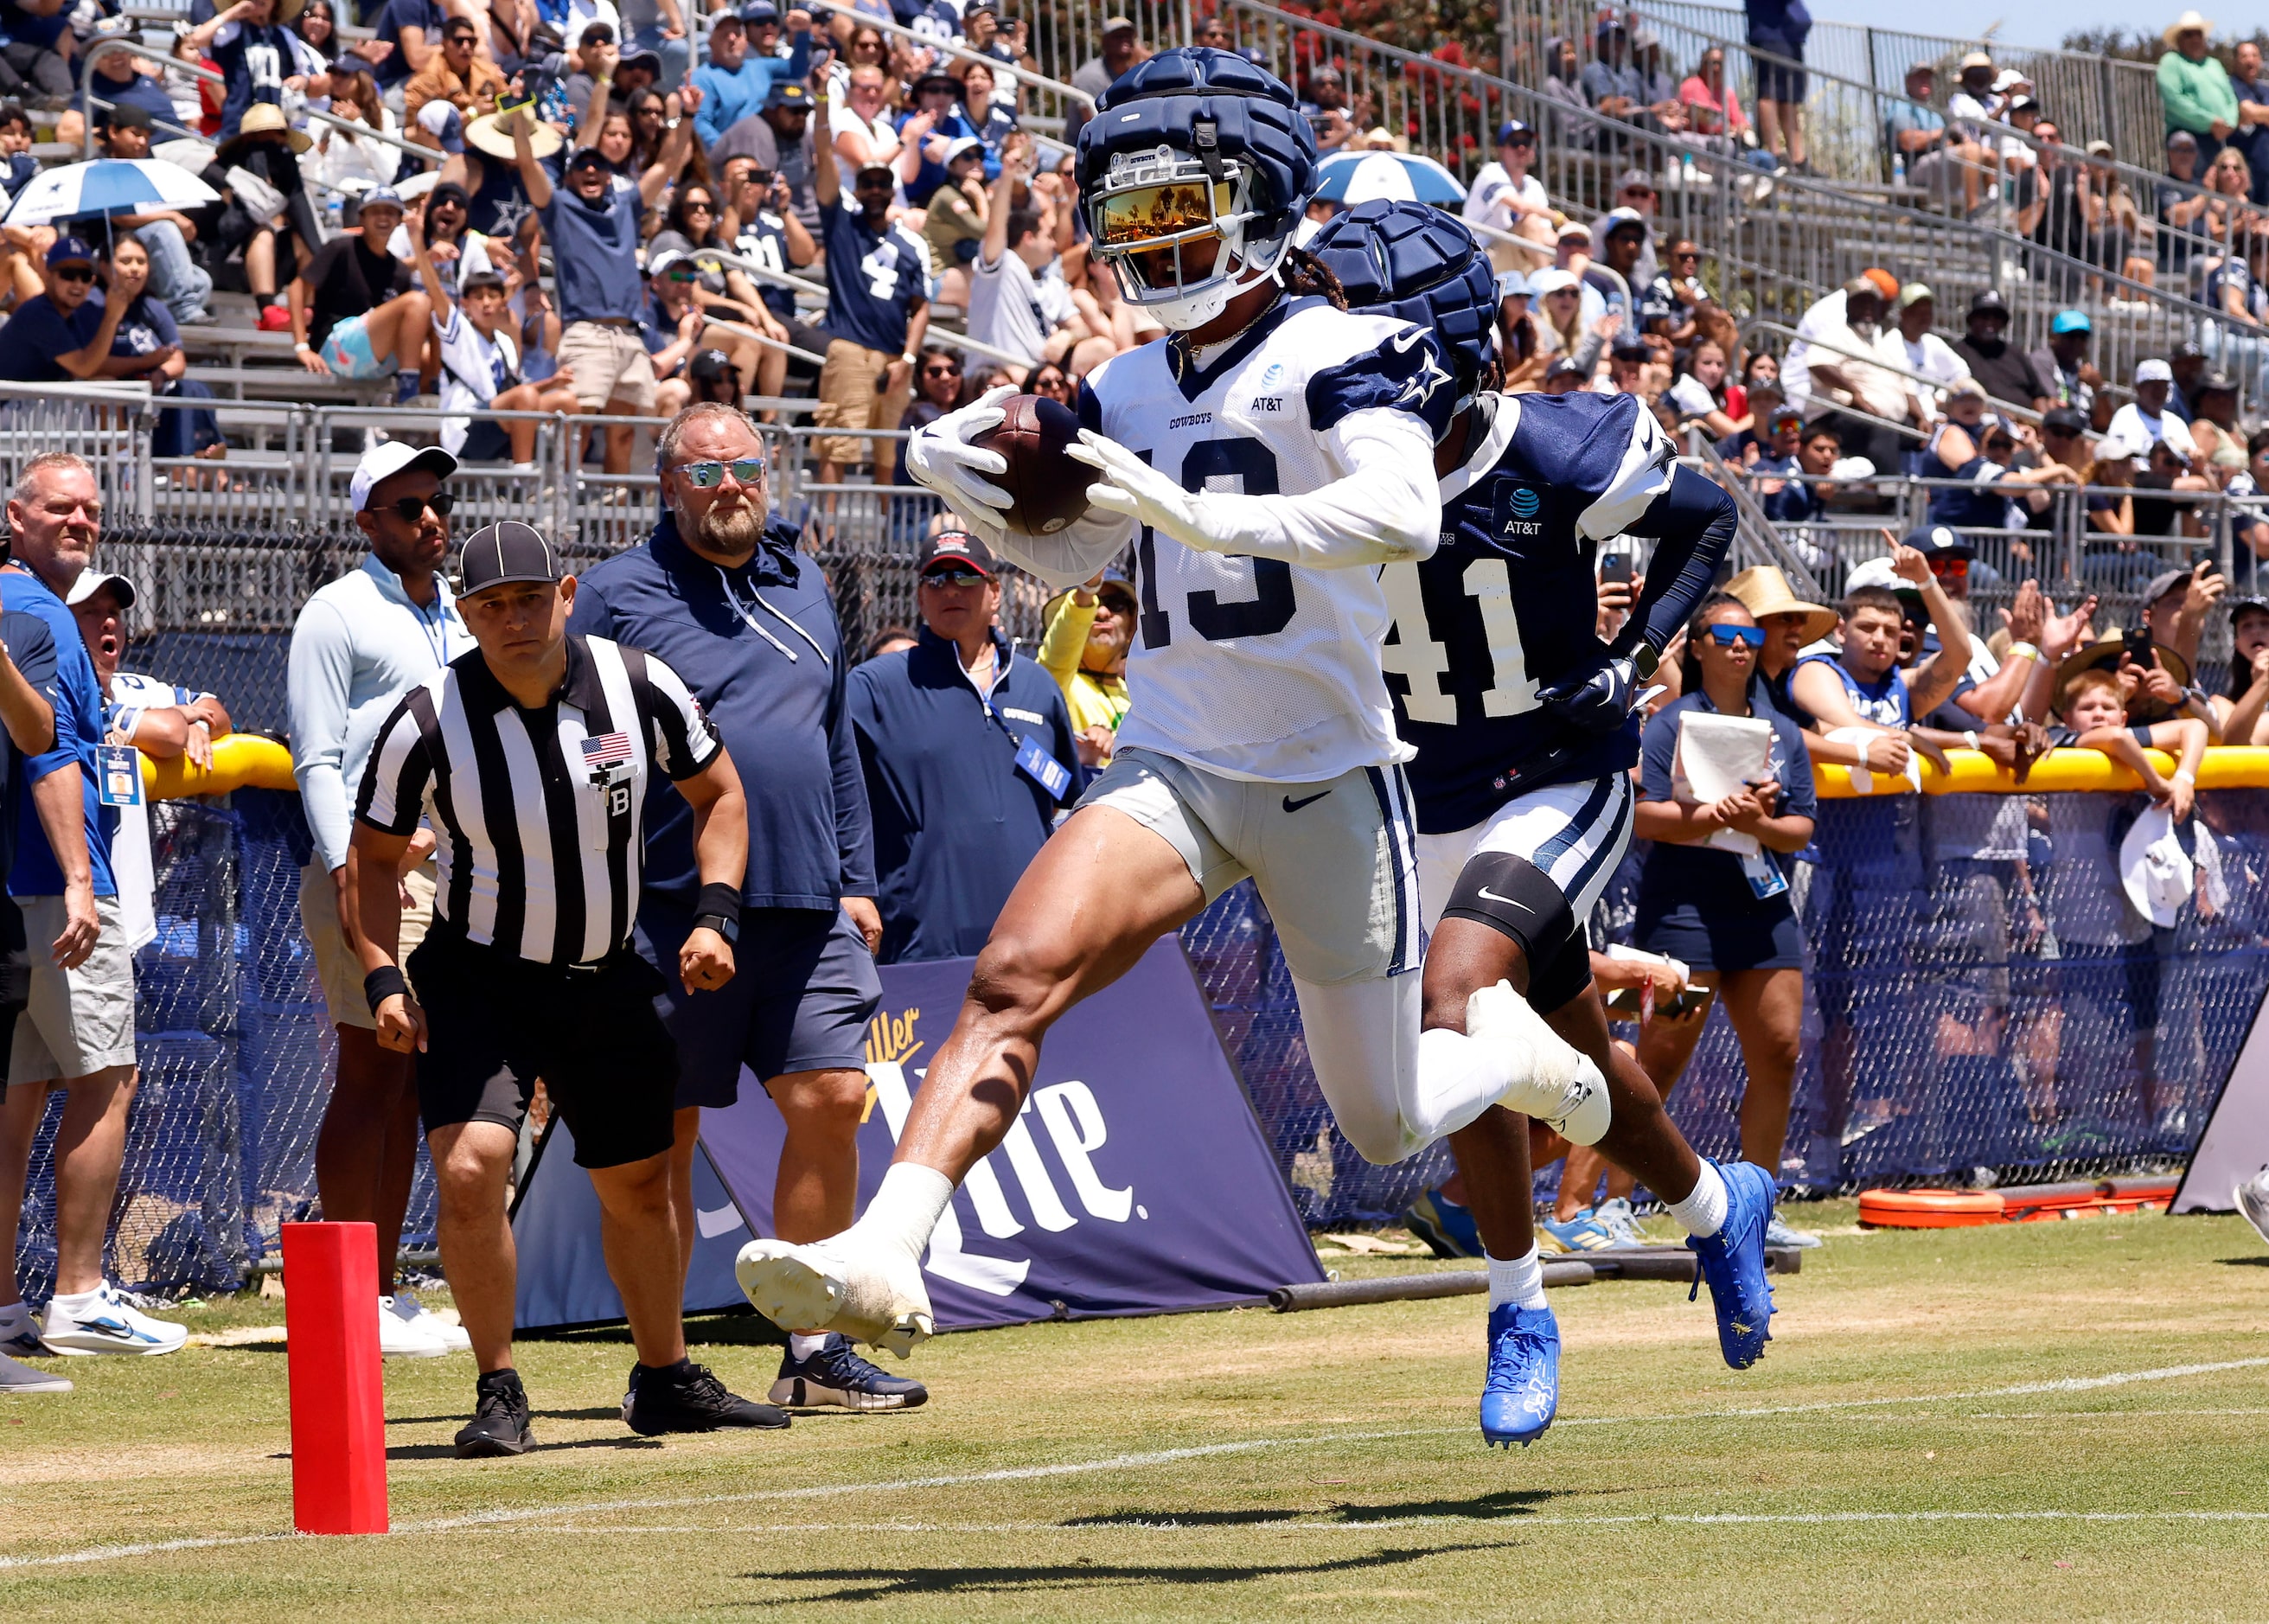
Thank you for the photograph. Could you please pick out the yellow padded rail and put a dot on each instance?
(240, 761)
(2225, 767)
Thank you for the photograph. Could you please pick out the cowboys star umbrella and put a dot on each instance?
(1350, 178)
(108, 186)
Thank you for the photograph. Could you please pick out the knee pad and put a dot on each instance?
(1516, 899)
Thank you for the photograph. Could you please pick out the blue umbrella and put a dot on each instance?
(108, 186)
(1351, 178)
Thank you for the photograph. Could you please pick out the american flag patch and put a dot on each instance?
(608, 750)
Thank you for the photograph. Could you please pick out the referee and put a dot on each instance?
(530, 757)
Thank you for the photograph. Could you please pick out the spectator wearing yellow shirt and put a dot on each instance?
(1088, 631)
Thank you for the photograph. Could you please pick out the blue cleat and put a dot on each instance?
(1734, 1262)
(1523, 1391)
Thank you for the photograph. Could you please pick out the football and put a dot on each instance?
(1048, 488)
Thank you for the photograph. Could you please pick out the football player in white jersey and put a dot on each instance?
(1523, 724)
(1265, 460)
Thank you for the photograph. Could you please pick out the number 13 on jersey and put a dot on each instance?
(1423, 660)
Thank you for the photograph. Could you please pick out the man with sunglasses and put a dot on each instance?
(360, 644)
(56, 337)
(728, 600)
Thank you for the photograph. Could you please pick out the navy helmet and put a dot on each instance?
(1411, 260)
(1190, 145)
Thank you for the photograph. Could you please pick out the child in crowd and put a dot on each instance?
(480, 363)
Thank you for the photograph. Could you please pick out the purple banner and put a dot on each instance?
(1135, 1180)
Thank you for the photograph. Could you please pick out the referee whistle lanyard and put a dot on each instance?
(748, 612)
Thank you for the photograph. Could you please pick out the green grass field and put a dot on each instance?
(2056, 1420)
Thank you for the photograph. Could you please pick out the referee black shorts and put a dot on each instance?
(496, 1022)
(803, 988)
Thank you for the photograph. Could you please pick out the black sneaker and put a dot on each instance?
(500, 1423)
(689, 1399)
(835, 1374)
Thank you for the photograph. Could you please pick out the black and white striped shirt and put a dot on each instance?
(537, 814)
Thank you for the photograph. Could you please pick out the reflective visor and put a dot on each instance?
(1159, 216)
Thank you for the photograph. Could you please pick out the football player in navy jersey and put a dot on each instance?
(1524, 724)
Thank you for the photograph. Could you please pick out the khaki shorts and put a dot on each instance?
(849, 399)
(78, 1021)
(1336, 861)
(609, 364)
(337, 966)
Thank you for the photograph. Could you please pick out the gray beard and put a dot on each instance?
(731, 532)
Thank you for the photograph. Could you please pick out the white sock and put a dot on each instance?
(905, 1209)
(1520, 1282)
(801, 1346)
(72, 1301)
(1703, 1212)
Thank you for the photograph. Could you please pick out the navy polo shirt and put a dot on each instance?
(760, 648)
(955, 821)
(594, 253)
(876, 280)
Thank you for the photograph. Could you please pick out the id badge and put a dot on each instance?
(1034, 762)
(1763, 874)
(118, 775)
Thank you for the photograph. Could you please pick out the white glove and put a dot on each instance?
(940, 457)
(1132, 487)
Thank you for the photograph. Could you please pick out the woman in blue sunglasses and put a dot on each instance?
(1725, 914)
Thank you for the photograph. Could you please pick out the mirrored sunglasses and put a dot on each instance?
(709, 475)
(1726, 637)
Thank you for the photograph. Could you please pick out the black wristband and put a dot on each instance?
(722, 900)
(383, 984)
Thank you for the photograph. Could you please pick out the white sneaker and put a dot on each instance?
(1562, 1088)
(871, 1293)
(1778, 1234)
(2252, 1198)
(22, 1378)
(109, 1324)
(406, 1308)
(403, 1338)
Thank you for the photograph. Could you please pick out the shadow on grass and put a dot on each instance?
(2246, 1263)
(858, 1584)
(1511, 1503)
(449, 1451)
(725, 1328)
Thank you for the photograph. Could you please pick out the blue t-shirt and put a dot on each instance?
(78, 700)
(33, 648)
(875, 279)
(421, 14)
(595, 251)
(1691, 882)
(728, 96)
(146, 328)
(36, 334)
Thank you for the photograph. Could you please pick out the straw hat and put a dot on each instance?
(1764, 590)
(488, 134)
(2188, 22)
(2103, 655)
(260, 118)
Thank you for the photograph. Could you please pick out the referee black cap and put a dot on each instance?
(507, 552)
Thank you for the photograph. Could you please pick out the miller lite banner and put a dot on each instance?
(1135, 1180)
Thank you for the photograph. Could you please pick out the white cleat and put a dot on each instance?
(869, 1293)
(2252, 1200)
(1559, 1085)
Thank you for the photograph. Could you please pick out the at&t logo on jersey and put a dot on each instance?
(1518, 507)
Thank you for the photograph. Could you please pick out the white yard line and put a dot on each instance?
(1162, 1457)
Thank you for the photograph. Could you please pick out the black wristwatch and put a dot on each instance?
(730, 929)
(1646, 659)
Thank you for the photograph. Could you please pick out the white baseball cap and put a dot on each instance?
(2154, 371)
(92, 581)
(384, 462)
(2154, 871)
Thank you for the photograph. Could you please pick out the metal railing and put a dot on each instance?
(132, 47)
